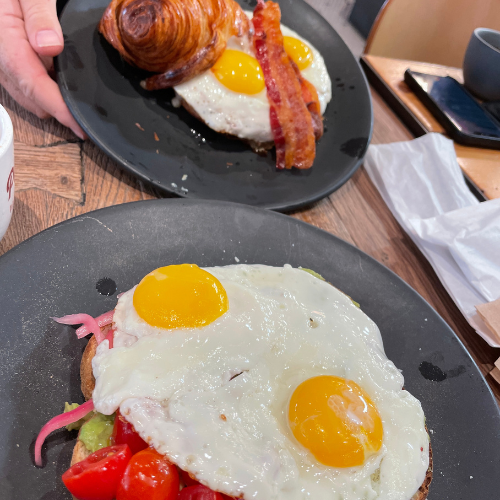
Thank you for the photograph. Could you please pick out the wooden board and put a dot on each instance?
(481, 166)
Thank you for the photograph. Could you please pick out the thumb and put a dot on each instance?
(42, 26)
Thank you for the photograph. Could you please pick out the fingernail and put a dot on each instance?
(48, 38)
(80, 134)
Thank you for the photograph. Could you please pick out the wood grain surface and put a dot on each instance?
(482, 166)
(58, 177)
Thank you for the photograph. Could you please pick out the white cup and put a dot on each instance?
(6, 170)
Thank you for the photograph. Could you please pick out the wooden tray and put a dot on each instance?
(481, 167)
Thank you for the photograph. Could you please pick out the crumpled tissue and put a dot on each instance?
(423, 186)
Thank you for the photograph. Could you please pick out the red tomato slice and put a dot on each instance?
(186, 477)
(97, 477)
(124, 433)
(150, 476)
(201, 492)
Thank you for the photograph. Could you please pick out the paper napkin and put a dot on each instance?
(423, 186)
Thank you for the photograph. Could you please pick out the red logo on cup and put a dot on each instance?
(10, 182)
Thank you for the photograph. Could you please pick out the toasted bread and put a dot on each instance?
(86, 375)
(88, 383)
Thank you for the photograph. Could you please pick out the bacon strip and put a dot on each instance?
(292, 123)
(310, 96)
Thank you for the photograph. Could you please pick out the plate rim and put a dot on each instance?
(165, 205)
(164, 188)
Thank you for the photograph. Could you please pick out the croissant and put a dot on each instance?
(177, 38)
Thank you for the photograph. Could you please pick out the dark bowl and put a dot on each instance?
(482, 64)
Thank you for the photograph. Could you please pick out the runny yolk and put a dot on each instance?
(298, 52)
(239, 72)
(182, 296)
(335, 420)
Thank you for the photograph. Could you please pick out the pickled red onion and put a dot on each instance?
(109, 338)
(88, 321)
(58, 422)
(102, 320)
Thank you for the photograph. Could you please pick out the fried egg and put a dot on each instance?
(264, 383)
(231, 97)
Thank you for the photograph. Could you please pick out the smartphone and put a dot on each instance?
(463, 118)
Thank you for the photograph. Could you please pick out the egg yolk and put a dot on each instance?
(298, 52)
(335, 420)
(182, 296)
(239, 72)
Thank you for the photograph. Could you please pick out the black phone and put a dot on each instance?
(463, 118)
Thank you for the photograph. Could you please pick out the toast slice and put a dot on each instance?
(80, 452)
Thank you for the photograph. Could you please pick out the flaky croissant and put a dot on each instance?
(177, 38)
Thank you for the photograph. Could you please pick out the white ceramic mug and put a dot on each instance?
(6, 170)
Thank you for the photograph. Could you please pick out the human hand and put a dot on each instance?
(30, 36)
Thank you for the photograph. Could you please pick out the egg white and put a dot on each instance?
(243, 115)
(215, 399)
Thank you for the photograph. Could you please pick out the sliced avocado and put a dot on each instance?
(313, 273)
(96, 433)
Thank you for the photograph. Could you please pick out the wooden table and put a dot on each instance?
(58, 177)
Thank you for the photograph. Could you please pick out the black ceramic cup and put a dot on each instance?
(482, 64)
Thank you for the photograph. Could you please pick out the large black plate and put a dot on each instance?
(104, 95)
(56, 272)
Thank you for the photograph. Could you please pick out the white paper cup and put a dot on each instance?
(6, 170)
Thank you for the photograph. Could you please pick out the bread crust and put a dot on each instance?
(80, 452)
(88, 383)
(86, 374)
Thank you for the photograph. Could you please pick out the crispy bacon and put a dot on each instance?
(310, 96)
(294, 108)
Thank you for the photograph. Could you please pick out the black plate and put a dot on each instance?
(57, 272)
(104, 95)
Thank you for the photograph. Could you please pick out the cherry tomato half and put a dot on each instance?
(150, 476)
(201, 492)
(187, 479)
(97, 477)
(124, 433)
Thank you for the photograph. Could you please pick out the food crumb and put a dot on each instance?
(138, 125)
(184, 189)
(156, 137)
(184, 177)
(229, 164)
(174, 185)
(157, 151)
(223, 417)
(470, 476)
(236, 259)
(431, 431)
